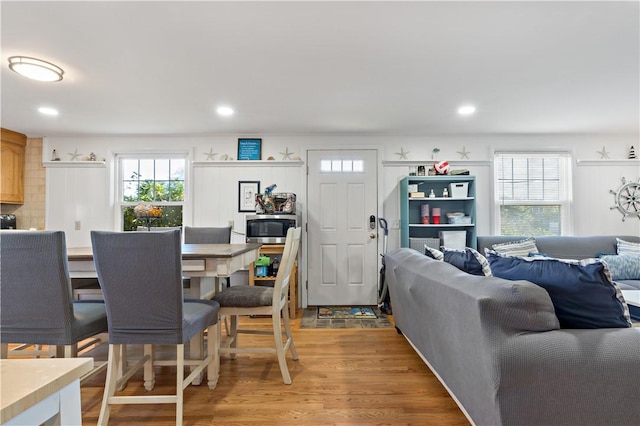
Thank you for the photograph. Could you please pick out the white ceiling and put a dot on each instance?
(324, 67)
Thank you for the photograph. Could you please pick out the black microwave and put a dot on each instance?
(270, 228)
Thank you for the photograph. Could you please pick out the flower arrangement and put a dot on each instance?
(146, 210)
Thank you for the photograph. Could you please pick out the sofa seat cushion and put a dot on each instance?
(582, 292)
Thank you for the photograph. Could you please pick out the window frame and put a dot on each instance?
(565, 187)
(156, 155)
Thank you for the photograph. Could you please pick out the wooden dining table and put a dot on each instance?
(204, 264)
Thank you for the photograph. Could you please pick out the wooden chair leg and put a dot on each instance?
(149, 374)
(110, 383)
(213, 344)
(280, 350)
(234, 335)
(196, 351)
(179, 383)
(287, 329)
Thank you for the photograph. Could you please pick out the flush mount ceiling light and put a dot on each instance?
(35, 69)
(48, 111)
(467, 110)
(225, 111)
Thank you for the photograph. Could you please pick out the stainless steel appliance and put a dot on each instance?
(270, 228)
(8, 221)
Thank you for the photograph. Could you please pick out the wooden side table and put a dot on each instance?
(277, 249)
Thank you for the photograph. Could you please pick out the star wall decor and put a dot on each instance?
(210, 154)
(286, 155)
(603, 154)
(402, 155)
(464, 153)
(74, 155)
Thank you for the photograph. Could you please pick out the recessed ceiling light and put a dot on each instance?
(35, 69)
(467, 110)
(224, 111)
(47, 111)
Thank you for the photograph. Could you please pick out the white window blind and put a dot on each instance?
(532, 193)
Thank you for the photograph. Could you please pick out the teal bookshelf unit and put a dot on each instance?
(412, 228)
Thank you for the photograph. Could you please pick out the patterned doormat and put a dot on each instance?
(346, 312)
(311, 319)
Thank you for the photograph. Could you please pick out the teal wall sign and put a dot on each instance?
(249, 149)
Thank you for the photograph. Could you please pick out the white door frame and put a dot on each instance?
(303, 244)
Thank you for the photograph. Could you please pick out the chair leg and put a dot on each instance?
(213, 345)
(179, 383)
(149, 374)
(233, 334)
(280, 352)
(122, 367)
(287, 330)
(196, 351)
(67, 351)
(113, 363)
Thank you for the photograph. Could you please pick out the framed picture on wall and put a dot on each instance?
(249, 149)
(247, 191)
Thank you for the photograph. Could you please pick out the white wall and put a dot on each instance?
(86, 194)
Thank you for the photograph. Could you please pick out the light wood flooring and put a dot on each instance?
(343, 377)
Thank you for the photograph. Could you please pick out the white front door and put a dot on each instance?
(342, 220)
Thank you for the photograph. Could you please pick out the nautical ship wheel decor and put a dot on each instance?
(627, 198)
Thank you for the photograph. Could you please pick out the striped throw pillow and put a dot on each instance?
(517, 248)
(468, 260)
(433, 253)
(627, 247)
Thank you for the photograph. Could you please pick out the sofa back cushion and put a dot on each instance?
(582, 292)
(563, 247)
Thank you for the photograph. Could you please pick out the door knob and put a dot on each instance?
(372, 236)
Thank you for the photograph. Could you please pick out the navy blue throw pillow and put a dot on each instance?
(582, 292)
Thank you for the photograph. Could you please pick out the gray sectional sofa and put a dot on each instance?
(497, 346)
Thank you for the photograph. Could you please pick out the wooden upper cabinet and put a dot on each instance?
(12, 152)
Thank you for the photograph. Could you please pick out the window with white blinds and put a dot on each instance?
(532, 193)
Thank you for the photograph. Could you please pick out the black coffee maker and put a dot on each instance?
(8, 221)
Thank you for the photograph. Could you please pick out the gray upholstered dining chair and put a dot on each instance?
(140, 274)
(207, 235)
(258, 300)
(36, 303)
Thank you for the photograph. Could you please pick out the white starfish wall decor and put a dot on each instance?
(210, 154)
(286, 155)
(464, 153)
(74, 155)
(603, 154)
(402, 155)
